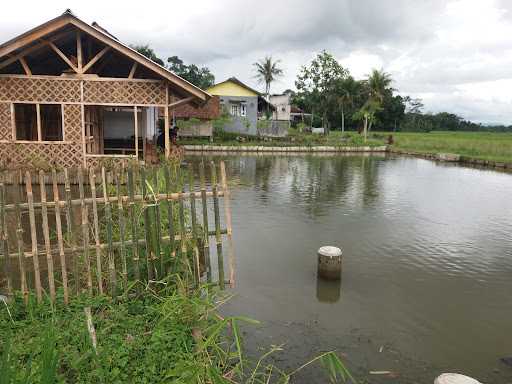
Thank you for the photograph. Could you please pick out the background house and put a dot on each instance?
(242, 103)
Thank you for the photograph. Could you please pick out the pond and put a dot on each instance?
(427, 264)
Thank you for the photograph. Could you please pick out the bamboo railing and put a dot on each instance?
(123, 225)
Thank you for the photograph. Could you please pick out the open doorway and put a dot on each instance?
(119, 131)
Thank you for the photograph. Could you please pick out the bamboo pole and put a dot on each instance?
(97, 240)
(137, 198)
(85, 229)
(183, 230)
(206, 241)
(4, 241)
(218, 237)
(46, 234)
(194, 236)
(116, 244)
(58, 225)
(157, 223)
(19, 239)
(108, 218)
(147, 235)
(131, 208)
(33, 236)
(170, 213)
(122, 249)
(229, 225)
(69, 230)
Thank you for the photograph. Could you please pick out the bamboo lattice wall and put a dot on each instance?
(73, 94)
(113, 228)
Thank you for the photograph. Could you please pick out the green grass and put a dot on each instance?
(166, 333)
(495, 147)
(294, 138)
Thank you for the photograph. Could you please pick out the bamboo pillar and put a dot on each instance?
(4, 243)
(166, 124)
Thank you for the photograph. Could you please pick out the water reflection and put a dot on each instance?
(328, 291)
(427, 254)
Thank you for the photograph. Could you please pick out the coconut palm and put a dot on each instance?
(267, 71)
(379, 82)
(347, 89)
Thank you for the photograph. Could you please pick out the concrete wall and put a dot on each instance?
(243, 125)
(283, 107)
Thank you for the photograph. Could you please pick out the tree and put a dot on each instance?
(148, 52)
(367, 114)
(200, 77)
(345, 91)
(267, 71)
(379, 83)
(317, 82)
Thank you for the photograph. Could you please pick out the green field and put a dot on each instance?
(478, 145)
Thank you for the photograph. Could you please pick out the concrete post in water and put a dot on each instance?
(329, 263)
(455, 378)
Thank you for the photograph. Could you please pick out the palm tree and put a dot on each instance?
(379, 82)
(267, 71)
(347, 89)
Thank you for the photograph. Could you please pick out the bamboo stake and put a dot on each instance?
(229, 225)
(99, 274)
(33, 236)
(170, 213)
(108, 218)
(69, 230)
(158, 229)
(19, 239)
(90, 328)
(183, 231)
(218, 237)
(194, 223)
(147, 235)
(131, 205)
(206, 241)
(122, 249)
(85, 229)
(46, 234)
(58, 224)
(4, 243)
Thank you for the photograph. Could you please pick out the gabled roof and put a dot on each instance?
(239, 83)
(99, 33)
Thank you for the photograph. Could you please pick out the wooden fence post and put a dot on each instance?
(218, 236)
(46, 234)
(33, 236)
(229, 225)
(60, 241)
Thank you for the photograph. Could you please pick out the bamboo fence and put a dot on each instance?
(113, 228)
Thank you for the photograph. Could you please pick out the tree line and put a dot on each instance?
(336, 100)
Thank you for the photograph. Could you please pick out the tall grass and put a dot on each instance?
(478, 145)
(166, 332)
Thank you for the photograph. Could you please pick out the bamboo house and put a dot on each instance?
(71, 94)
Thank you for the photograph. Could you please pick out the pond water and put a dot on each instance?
(427, 264)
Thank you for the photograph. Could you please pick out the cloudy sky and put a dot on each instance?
(454, 54)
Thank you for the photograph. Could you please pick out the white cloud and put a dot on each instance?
(456, 53)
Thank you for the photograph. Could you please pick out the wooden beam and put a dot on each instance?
(166, 125)
(25, 52)
(63, 56)
(13, 122)
(181, 102)
(39, 132)
(95, 59)
(34, 35)
(136, 131)
(25, 66)
(79, 50)
(132, 71)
